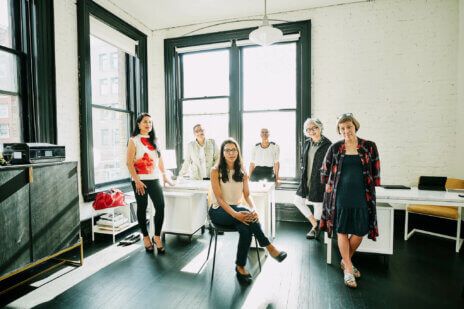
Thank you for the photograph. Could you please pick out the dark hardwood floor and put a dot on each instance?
(424, 272)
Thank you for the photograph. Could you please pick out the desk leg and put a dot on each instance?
(273, 215)
(458, 233)
(328, 241)
(93, 227)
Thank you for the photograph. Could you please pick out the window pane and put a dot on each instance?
(6, 29)
(215, 126)
(9, 119)
(269, 77)
(110, 135)
(281, 127)
(108, 81)
(206, 74)
(8, 72)
(115, 60)
(211, 106)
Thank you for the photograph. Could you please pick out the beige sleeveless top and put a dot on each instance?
(232, 192)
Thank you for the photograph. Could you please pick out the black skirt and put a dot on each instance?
(263, 173)
(351, 205)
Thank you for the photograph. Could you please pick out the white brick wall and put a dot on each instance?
(393, 63)
(459, 164)
(67, 84)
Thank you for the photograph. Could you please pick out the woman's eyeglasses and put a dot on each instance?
(230, 150)
(345, 115)
(313, 129)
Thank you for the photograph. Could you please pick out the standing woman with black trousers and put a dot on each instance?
(145, 163)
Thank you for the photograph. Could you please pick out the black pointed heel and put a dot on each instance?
(160, 250)
(150, 248)
(280, 257)
(243, 279)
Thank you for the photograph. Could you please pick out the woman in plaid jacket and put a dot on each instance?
(350, 171)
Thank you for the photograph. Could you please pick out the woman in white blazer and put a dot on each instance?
(202, 154)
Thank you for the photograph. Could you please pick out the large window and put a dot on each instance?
(235, 89)
(113, 89)
(26, 71)
(9, 76)
(205, 94)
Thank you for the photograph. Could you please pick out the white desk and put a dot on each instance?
(416, 196)
(263, 195)
(397, 196)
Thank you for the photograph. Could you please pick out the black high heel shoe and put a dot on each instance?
(150, 248)
(280, 257)
(243, 279)
(159, 250)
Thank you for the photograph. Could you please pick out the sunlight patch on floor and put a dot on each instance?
(60, 283)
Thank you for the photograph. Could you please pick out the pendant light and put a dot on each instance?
(266, 35)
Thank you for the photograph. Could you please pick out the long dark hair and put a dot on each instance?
(151, 134)
(222, 165)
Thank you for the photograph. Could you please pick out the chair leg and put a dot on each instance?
(209, 248)
(458, 232)
(406, 227)
(257, 254)
(214, 254)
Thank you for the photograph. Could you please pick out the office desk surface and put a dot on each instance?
(204, 186)
(416, 196)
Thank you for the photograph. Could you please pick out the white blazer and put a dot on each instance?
(192, 165)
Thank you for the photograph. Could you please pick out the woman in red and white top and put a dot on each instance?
(145, 163)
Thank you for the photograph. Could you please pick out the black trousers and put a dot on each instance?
(263, 173)
(155, 192)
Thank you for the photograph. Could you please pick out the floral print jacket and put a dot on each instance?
(330, 175)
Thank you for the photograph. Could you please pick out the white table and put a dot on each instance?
(416, 196)
(184, 213)
(263, 195)
(397, 196)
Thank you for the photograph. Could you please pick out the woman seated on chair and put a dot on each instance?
(229, 183)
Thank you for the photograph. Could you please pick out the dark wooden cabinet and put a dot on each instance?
(14, 220)
(39, 212)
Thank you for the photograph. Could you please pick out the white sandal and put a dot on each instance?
(349, 280)
(356, 272)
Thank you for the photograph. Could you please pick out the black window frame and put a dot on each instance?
(34, 45)
(173, 82)
(137, 99)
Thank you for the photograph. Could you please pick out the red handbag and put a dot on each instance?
(108, 199)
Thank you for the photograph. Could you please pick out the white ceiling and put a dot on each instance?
(161, 14)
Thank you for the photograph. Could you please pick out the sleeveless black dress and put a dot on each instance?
(351, 205)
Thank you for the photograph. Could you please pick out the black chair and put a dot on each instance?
(215, 229)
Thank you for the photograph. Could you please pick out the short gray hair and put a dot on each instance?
(316, 122)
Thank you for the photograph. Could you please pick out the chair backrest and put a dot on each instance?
(454, 183)
(432, 183)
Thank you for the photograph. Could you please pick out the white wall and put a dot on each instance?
(390, 62)
(67, 84)
(459, 166)
(393, 63)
